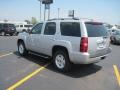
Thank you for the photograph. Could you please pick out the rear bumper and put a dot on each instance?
(84, 58)
(10, 32)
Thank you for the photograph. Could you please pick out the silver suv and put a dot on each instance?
(67, 42)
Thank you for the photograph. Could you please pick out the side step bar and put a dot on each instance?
(41, 55)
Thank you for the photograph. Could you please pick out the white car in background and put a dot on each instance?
(115, 38)
(23, 27)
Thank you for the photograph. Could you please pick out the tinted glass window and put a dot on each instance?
(27, 25)
(0, 26)
(17, 26)
(5, 25)
(96, 29)
(12, 26)
(21, 25)
(50, 28)
(37, 29)
(70, 29)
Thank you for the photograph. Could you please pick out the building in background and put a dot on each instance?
(13, 22)
(20, 25)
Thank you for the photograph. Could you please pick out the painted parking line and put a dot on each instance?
(6, 55)
(117, 73)
(14, 86)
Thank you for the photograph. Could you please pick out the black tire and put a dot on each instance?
(17, 33)
(21, 46)
(115, 41)
(67, 65)
(111, 41)
(11, 34)
(23, 30)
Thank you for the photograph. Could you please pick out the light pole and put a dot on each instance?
(47, 7)
(44, 12)
(58, 13)
(49, 12)
(40, 7)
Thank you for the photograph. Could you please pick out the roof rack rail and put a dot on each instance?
(87, 19)
(75, 18)
(64, 19)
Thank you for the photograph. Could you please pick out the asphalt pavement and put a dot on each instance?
(36, 73)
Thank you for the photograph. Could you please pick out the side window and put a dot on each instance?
(37, 29)
(50, 28)
(16, 26)
(0, 26)
(5, 25)
(21, 25)
(70, 29)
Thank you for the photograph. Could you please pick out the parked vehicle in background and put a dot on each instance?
(67, 42)
(112, 31)
(7, 28)
(115, 38)
(23, 27)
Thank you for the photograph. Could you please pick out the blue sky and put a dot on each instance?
(103, 10)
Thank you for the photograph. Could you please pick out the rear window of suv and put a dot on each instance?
(70, 29)
(0, 26)
(11, 25)
(96, 29)
(5, 25)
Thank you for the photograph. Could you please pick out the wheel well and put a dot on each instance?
(56, 48)
(20, 40)
(23, 30)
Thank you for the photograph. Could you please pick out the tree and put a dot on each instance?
(5, 20)
(28, 22)
(34, 20)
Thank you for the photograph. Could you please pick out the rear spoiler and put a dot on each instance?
(94, 23)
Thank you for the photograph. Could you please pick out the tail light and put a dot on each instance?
(84, 44)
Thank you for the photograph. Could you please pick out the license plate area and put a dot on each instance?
(101, 44)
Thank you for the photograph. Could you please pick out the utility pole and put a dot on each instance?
(58, 13)
(44, 12)
(49, 12)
